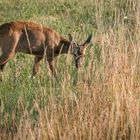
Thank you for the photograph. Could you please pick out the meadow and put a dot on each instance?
(101, 101)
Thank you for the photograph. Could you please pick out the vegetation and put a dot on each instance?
(99, 102)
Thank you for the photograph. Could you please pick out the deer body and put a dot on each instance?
(31, 38)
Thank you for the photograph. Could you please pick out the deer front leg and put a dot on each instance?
(37, 59)
(53, 70)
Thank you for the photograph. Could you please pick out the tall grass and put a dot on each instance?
(101, 100)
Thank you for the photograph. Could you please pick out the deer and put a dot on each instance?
(40, 41)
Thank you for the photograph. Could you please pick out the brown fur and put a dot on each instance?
(32, 38)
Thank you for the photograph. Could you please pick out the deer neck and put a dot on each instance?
(64, 46)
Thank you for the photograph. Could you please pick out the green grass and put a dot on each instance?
(101, 101)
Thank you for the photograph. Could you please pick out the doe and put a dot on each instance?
(35, 39)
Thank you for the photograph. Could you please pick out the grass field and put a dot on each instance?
(101, 101)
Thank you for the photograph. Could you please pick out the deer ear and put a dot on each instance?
(88, 41)
(70, 37)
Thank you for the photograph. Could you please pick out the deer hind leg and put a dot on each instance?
(3, 60)
(8, 45)
(37, 60)
(1, 70)
(2, 67)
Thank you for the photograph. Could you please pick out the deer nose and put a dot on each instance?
(79, 64)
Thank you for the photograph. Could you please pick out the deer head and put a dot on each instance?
(78, 51)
